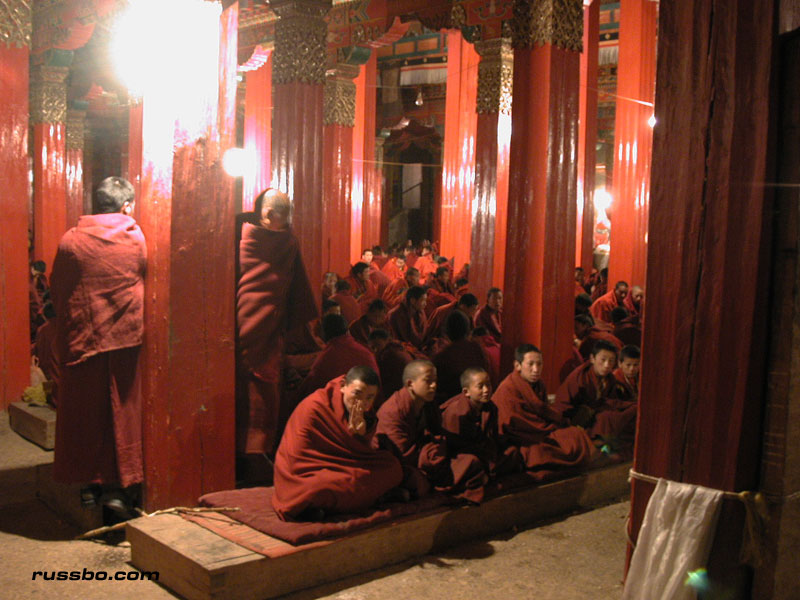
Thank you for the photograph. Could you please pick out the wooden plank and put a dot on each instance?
(199, 564)
(34, 423)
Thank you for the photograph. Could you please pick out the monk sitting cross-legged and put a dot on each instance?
(549, 447)
(407, 320)
(325, 462)
(459, 354)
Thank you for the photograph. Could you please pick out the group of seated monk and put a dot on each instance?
(343, 451)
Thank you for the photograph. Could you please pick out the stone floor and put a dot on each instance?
(575, 557)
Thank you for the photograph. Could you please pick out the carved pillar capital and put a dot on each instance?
(339, 100)
(76, 125)
(16, 23)
(48, 94)
(495, 76)
(301, 38)
(555, 22)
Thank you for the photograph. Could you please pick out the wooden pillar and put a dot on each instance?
(298, 78)
(371, 213)
(15, 358)
(48, 107)
(458, 165)
(633, 141)
(186, 210)
(587, 137)
(337, 165)
(258, 130)
(539, 290)
(492, 140)
(703, 367)
(76, 123)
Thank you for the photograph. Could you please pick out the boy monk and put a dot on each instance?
(548, 445)
(407, 320)
(627, 374)
(409, 425)
(325, 462)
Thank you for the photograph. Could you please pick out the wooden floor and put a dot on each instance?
(198, 564)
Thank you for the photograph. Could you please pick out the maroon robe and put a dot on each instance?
(601, 308)
(437, 320)
(452, 361)
(380, 280)
(594, 335)
(407, 324)
(46, 350)
(361, 328)
(341, 354)
(491, 320)
(274, 295)
(351, 309)
(392, 271)
(320, 463)
(628, 332)
(98, 294)
(395, 292)
(633, 310)
(392, 359)
(426, 266)
(527, 421)
(437, 299)
(363, 291)
(627, 389)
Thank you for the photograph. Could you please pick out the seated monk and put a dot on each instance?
(329, 307)
(395, 292)
(549, 447)
(467, 304)
(490, 315)
(491, 350)
(469, 422)
(409, 254)
(461, 353)
(376, 275)
(441, 281)
(626, 330)
(462, 287)
(463, 274)
(407, 320)
(379, 258)
(627, 373)
(600, 285)
(374, 318)
(325, 461)
(392, 357)
(425, 262)
(362, 289)
(351, 309)
(395, 268)
(633, 301)
(329, 284)
(409, 425)
(590, 398)
(341, 353)
(602, 307)
(579, 277)
(582, 304)
(588, 334)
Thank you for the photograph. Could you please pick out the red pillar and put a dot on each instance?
(258, 130)
(542, 187)
(587, 137)
(76, 122)
(15, 356)
(458, 166)
(372, 218)
(298, 77)
(492, 140)
(186, 210)
(48, 115)
(633, 141)
(339, 119)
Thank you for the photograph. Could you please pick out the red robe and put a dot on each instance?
(361, 328)
(363, 291)
(380, 281)
(628, 333)
(633, 310)
(273, 296)
(594, 335)
(98, 294)
(392, 271)
(491, 320)
(395, 292)
(46, 350)
(437, 299)
(426, 266)
(437, 320)
(599, 289)
(627, 389)
(321, 464)
(392, 359)
(527, 421)
(407, 324)
(602, 307)
(452, 361)
(339, 356)
(351, 309)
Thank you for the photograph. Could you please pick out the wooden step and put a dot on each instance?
(34, 423)
(199, 564)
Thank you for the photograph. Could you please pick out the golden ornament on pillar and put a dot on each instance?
(495, 76)
(339, 100)
(555, 22)
(76, 124)
(48, 94)
(301, 38)
(15, 23)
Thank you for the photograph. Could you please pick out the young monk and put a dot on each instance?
(587, 334)
(467, 304)
(326, 462)
(407, 320)
(490, 315)
(461, 353)
(627, 374)
(589, 397)
(409, 425)
(395, 291)
(374, 318)
(602, 307)
(549, 446)
(350, 308)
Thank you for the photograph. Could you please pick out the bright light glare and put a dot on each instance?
(602, 200)
(652, 121)
(239, 162)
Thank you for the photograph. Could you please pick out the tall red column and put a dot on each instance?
(492, 141)
(76, 122)
(587, 136)
(14, 319)
(186, 210)
(258, 131)
(372, 218)
(542, 187)
(458, 166)
(48, 97)
(298, 78)
(633, 140)
(339, 119)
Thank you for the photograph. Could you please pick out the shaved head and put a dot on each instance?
(276, 209)
(416, 368)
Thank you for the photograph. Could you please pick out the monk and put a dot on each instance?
(469, 422)
(407, 320)
(274, 296)
(395, 292)
(325, 462)
(627, 373)
(600, 285)
(329, 284)
(590, 398)
(467, 304)
(442, 283)
(587, 334)
(425, 262)
(392, 357)
(626, 328)
(582, 304)
(351, 309)
(579, 281)
(549, 446)
(490, 316)
(602, 307)
(38, 295)
(409, 425)
(461, 353)
(633, 301)
(395, 268)
(374, 318)
(362, 289)
(98, 295)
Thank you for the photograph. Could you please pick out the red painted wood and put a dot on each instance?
(337, 182)
(49, 189)
(373, 218)
(541, 206)
(357, 190)
(587, 137)
(14, 319)
(703, 372)
(258, 130)
(633, 140)
(74, 178)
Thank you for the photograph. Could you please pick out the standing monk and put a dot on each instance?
(98, 294)
(274, 295)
